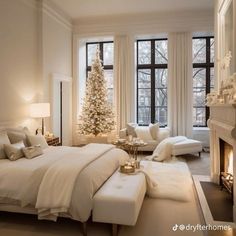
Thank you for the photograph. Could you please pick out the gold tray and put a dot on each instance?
(125, 170)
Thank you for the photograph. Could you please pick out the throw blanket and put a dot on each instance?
(56, 188)
(164, 149)
(169, 180)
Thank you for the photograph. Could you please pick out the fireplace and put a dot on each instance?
(226, 166)
(222, 124)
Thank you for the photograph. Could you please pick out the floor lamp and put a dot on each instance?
(40, 110)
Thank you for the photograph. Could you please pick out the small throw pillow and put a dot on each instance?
(13, 151)
(131, 129)
(143, 133)
(3, 140)
(35, 140)
(16, 137)
(154, 130)
(33, 151)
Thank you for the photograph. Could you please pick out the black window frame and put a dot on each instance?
(153, 66)
(207, 65)
(106, 67)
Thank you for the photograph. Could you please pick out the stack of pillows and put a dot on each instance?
(145, 133)
(18, 142)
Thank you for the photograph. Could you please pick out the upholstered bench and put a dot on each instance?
(119, 200)
(187, 146)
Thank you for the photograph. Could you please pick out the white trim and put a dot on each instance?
(61, 77)
(201, 128)
(50, 10)
(33, 4)
(146, 23)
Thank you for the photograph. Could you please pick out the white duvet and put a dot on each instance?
(26, 180)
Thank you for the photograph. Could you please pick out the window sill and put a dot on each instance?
(201, 129)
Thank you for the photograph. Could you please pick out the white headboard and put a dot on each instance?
(31, 124)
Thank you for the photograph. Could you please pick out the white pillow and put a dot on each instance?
(154, 130)
(13, 151)
(163, 134)
(131, 129)
(33, 151)
(143, 133)
(3, 140)
(35, 140)
(16, 137)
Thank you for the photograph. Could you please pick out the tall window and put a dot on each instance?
(106, 55)
(152, 81)
(203, 78)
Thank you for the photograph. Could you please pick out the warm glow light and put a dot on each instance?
(40, 110)
(230, 166)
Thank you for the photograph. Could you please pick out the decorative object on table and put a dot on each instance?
(127, 168)
(130, 166)
(40, 110)
(48, 135)
(97, 116)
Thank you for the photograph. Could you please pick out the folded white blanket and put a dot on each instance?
(169, 180)
(164, 149)
(56, 188)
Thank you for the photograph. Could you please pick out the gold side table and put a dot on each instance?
(134, 146)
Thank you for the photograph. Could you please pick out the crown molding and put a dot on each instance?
(47, 7)
(146, 23)
(33, 3)
(57, 14)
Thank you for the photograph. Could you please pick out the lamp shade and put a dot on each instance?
(40, 110)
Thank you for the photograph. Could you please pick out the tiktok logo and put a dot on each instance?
(175, 227)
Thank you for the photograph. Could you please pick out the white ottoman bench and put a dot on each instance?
(187, 146)
(119, 200)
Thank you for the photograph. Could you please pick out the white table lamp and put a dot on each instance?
(40, 110)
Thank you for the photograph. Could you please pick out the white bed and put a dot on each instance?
(20, 180)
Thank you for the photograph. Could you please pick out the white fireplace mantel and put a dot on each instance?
(222, 125)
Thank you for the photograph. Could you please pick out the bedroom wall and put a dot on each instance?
(57, 58)
(19, 61)
(35, 41)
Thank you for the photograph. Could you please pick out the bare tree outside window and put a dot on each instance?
(152, 62)
(203, 77)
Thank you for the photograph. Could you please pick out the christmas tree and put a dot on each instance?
(97, 116)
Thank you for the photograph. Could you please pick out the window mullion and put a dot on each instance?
(101, 51)
(153, 81)
(208, 74)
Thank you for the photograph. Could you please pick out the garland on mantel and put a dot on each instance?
(226, 94)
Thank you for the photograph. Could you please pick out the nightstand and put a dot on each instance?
(54, 141)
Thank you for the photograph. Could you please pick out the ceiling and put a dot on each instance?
(91, 8)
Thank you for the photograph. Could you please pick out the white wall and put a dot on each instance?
(19, 59)
(57, 58)
(35, 41)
